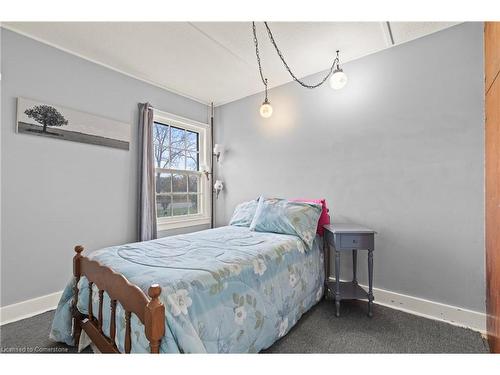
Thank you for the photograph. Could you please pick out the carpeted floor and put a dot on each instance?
(319, 331)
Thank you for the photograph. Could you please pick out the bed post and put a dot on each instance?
(77, 328)
(154, 319)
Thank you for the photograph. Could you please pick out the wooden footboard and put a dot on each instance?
(149, 310)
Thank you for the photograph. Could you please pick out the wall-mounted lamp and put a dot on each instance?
(218, 151)
(218, 187)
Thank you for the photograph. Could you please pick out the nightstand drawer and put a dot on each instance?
(356, 241)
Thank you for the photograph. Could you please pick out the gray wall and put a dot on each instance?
(399, 149)
(57, 194)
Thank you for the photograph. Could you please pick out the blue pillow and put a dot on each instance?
(282, 216)
(243, 213)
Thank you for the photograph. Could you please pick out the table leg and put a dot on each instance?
(354, 266)
(326, 260)
(370, 283)
(337, 283)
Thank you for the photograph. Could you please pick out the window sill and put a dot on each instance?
(181, 223)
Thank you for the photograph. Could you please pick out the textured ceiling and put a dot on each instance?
(215, 61)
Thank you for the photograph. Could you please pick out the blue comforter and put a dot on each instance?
(226, 290)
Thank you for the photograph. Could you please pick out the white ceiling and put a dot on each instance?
(215, 61)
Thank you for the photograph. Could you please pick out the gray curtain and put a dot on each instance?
(147, 199)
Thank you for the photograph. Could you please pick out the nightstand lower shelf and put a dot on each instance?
(348, 290)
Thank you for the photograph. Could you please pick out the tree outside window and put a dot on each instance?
(177, 155)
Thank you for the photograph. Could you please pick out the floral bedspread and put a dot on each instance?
(226, 290)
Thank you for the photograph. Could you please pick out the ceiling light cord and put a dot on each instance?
(266, 110)
(265, 83)
(256, 42)
(336, 61)
(338, 78)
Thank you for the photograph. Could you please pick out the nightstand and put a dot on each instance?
(349, 237)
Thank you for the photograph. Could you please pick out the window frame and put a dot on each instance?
(204, 216)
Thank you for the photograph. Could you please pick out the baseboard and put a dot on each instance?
(29, 308)
(430, 309)
(413, 305)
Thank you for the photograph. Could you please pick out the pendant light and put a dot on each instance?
(266, 110)
(338, 79)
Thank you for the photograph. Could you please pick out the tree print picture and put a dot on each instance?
(71, 125)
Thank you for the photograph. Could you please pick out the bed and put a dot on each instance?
(223, 290)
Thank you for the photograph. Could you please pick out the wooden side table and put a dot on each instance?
(349, 237)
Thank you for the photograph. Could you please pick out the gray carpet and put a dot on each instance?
(319, 331)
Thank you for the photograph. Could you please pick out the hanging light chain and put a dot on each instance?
(256, 42)
(271, 37)
(265, 83)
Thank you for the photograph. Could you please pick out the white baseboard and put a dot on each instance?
(454, 315)
(413, 305)
(430, 309)
(29, 308)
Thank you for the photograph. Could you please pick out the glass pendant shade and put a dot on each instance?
(266, 110)
(338, 79)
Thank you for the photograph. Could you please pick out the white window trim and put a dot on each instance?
(203, 129)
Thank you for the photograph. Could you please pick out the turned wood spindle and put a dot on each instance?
(112, 325)
(128, 339)
(99, 321)
(91, 313)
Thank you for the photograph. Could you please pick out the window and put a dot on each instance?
(181, 189)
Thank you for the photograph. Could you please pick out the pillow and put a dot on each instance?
(286, 217)
(244, 213)
(324, 219)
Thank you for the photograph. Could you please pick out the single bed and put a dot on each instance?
(223, 290)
